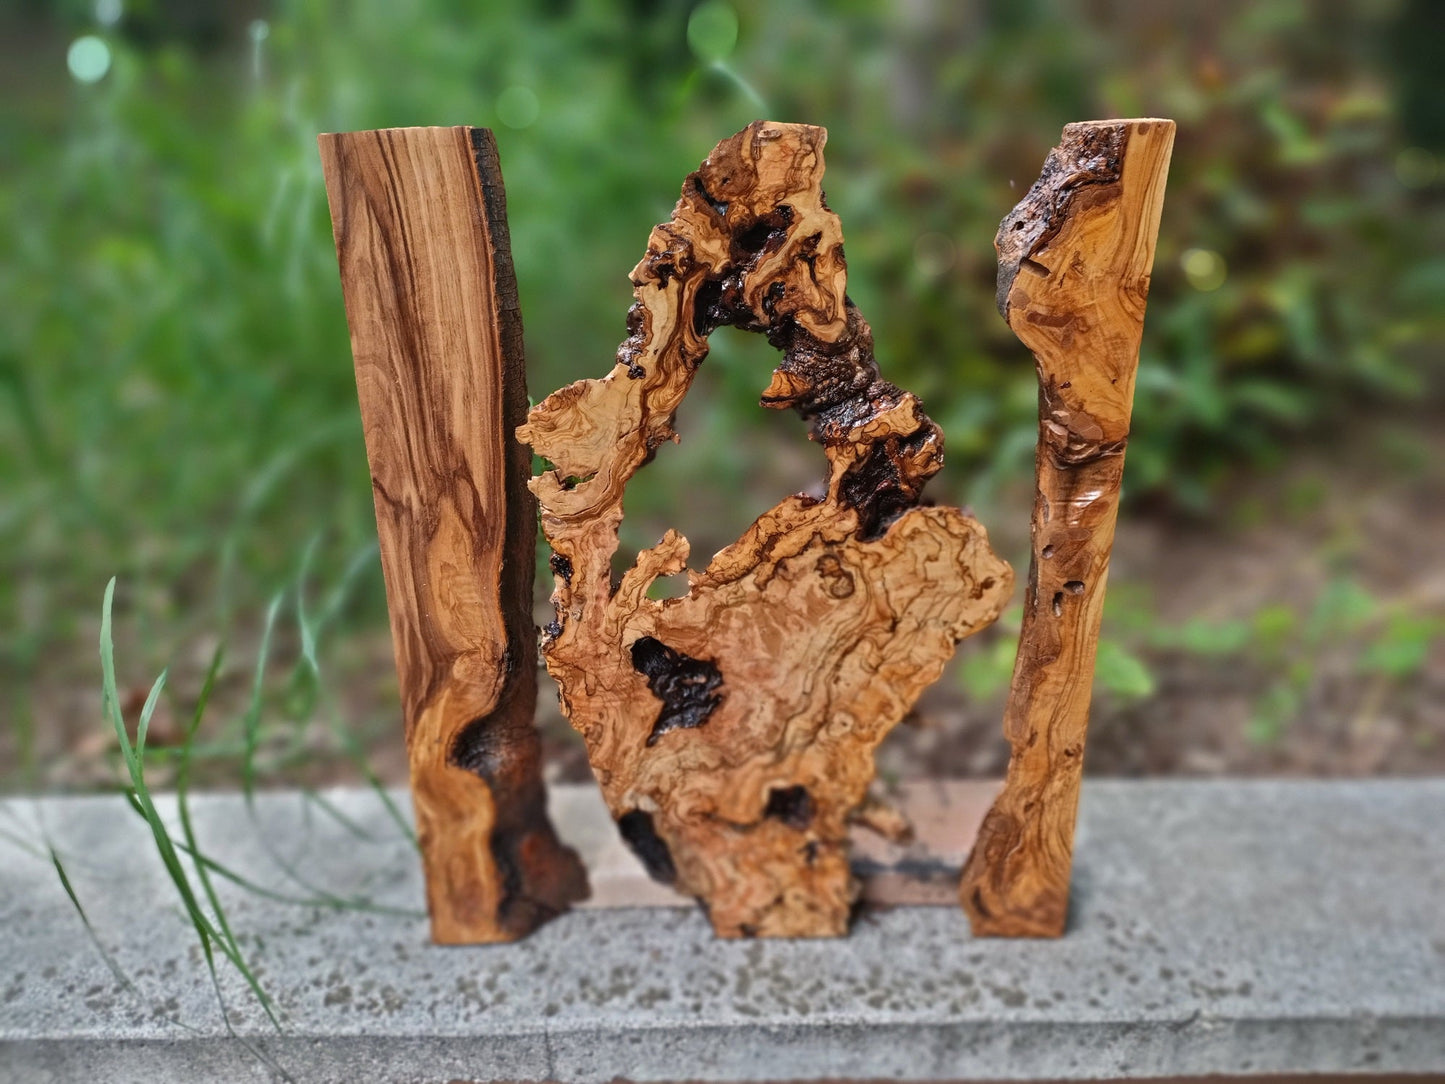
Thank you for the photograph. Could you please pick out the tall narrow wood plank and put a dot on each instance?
(1074, 263)
(419, 216)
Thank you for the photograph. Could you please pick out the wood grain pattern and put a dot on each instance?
(419, 217)
(1074, 263)
(732, 729)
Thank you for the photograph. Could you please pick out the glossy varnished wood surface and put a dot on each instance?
(1075, 258)
(419, 217)
(732, 728)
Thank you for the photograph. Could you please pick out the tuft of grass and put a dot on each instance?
(196, 887)
(192, 872)
(214, 936)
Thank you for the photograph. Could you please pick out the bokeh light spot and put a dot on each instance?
(934, 254)
(1415, 167)
(108, 12)
(88, 59)
(518, 107)
(1204, 268)
(259, 31)
(712, 31)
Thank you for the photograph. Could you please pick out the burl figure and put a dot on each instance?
(733, 729)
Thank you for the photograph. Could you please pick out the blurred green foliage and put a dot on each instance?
(175, 379)
(984, 673)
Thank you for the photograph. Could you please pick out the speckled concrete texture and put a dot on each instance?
(1218, 927)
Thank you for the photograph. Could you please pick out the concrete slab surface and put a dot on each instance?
(1218, 927)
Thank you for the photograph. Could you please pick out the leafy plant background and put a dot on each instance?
(177, 405)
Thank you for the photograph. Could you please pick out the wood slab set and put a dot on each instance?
(732, 729)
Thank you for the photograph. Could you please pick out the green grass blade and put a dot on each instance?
(262, 485)
(358, 757)
(289, 870)
(324, 900)
(252, 721)
(143, 725)
(313, 797)
(307, 628)
(363, 558)
(183, 806)
(110, 962)
(310, 634)
(336, 598)
(22, 844)
(250, 1048)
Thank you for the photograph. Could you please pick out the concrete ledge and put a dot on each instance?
(1218, 928)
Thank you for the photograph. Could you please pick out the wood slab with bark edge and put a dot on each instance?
(1074, 263)
(420, 221)
(732, 729)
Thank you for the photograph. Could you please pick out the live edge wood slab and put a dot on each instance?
(1074, 264)
(419, 216)
(732, 729)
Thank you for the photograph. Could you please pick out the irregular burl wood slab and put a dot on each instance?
(420, 221)
(733, 729)
(1074, 263)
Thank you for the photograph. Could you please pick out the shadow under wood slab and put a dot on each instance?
(1074, 263)
(733, 729)
(420, 221)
